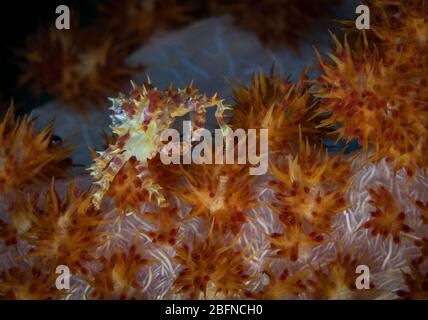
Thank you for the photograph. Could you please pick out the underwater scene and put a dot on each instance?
(230, 150)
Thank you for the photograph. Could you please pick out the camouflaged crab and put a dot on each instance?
(138, 122)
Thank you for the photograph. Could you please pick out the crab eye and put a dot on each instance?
(55, 141)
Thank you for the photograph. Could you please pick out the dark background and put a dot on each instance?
(18, 19)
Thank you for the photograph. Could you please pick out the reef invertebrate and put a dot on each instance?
(126, 189)
(219, 193)
(308, 191)
(138, 121)
(423, 208)
(347, 91)
(212, 269)
(27, 156)
(423, 245)
(65, 231)
(308, 195)
(88, 66)
(400, 27)
(388, 220)
(167, 224)
(286, 109)
(32, 284)
(286, 285)
(337, 279)
(292, 242)
(118, 277)
(368, 99)
(213, 230)
(416, 283)
(19, 218)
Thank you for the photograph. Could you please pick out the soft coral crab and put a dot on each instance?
(138, 122)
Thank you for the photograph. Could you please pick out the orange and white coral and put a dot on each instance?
(388, 220)
(129, 190)
(27, 156)
(309, 192)
(211, 268)
(299, 232)
(286, 109)
(220, 194)
(78, 66)
(138, 122)
(65, 231)
(118, 276)
(21, 284)
(337, 279)
(377, 93)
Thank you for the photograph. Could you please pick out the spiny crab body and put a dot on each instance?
(138, 122)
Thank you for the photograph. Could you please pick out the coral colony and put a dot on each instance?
(85, 62)
(259, 209)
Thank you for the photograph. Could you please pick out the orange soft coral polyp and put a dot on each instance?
(27, 157)
(308, 190)
(211, 269)
(286, 109)
(388, 220)
(88, 66)
(118, 277)
(65, 231)
(371, 100)
(220, 193)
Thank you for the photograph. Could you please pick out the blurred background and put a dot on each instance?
(18, 20)
(67, 75)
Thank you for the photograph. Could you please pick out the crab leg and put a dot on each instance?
(106, 167)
